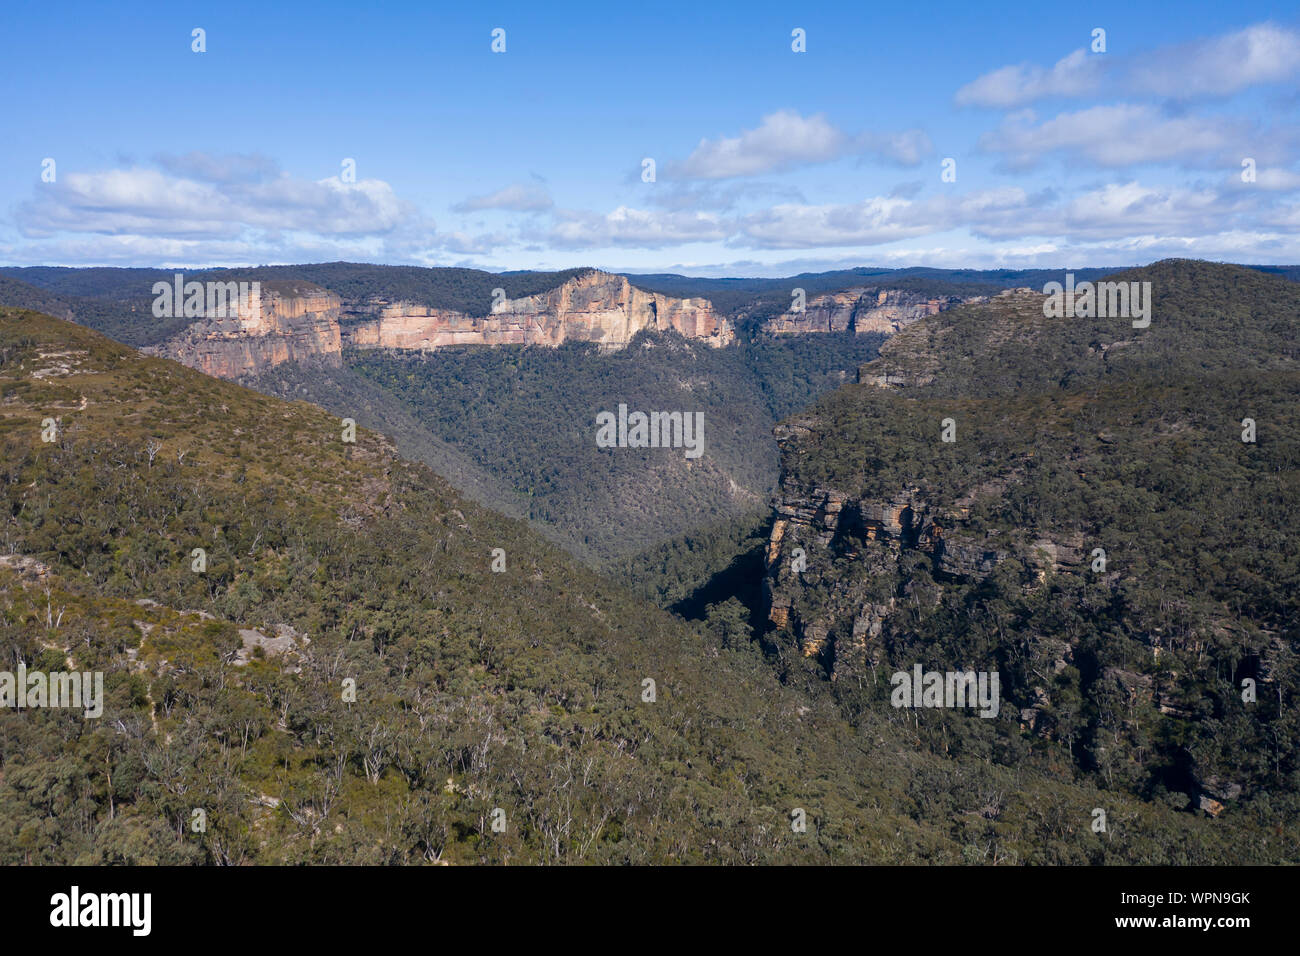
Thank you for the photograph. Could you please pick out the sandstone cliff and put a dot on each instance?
(862, 310)
(594, 307)
(835, 561)
(286, 322)
(298, 321)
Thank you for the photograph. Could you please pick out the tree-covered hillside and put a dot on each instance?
(1112, 527)
(527, 418)
(345, 679)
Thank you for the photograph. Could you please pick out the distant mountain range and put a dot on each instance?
(401, 349)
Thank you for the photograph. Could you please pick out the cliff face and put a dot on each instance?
(288, 322)
(838, 565)
(862, 310)
(862, 551)
(299, 321)
(595, 307)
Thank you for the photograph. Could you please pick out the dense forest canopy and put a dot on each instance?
(1169, 668)
(522, 691)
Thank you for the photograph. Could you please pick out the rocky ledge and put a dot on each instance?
(863, 310)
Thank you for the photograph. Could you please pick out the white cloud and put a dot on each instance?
(782, 141)
(634, 227)
(1271, 178)
(147, 202)
(1120, 135)
(1260, 54)
(785, 140)
(228, 210)
(1111, 213)
(871, 222)
(1074, 75)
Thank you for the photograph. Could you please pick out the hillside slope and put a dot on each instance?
(1096, 531)
(528, 419)
(346, 680)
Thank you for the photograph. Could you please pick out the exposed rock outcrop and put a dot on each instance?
(299, 321)
(863, 310)
(858, 544)
(838, 562)
(281, 322)
(593, 307)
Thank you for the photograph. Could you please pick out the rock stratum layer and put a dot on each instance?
(300, 321)
(595, 307)
(863, 310)
(870, 538)
(281, 322)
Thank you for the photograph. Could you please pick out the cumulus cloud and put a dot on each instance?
(1119, 135)
(149, 202)
(783, 140)
(870, 222)
(199, 209)
(1262, 54)
(1272, 178)
(1114, 211)
(634, 227)
(1111, 213)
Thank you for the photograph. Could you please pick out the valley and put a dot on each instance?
(1134, 615)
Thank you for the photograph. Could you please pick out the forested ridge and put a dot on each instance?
(521, 691)
(117, 301)
(1112, 528)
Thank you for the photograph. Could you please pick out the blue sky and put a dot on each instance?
(767, 161)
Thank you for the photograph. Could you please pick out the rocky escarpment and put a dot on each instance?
(838, 565)
(298, 321)
(594, 307)
(279, 322)
(863, 310)
(840, 562)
